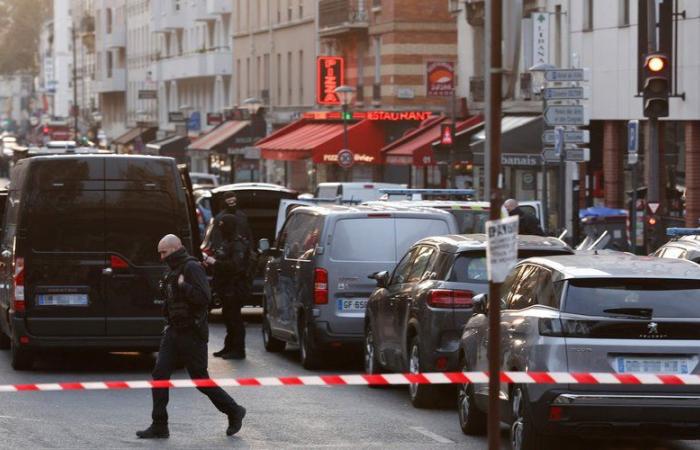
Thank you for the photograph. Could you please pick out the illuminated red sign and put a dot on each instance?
(440, 78)
(330, 74)
(371, 115)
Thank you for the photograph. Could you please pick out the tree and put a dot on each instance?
(21, 22)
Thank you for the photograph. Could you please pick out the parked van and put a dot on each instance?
(79, 266)
(317, 278)
(354, 191)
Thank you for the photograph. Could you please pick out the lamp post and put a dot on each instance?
(345, 95)
(538, 83)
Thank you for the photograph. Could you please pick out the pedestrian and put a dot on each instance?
(527, 224)
(230, 267)
(186, 293)
(232, 208)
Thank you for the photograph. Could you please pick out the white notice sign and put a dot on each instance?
(502, 248)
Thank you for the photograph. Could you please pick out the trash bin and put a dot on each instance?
(595, 221)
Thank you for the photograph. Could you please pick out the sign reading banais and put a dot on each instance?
(502, 248)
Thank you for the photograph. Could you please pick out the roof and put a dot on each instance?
(220, 135)
(463, 242)
(168, 143)
(251, 187)
(619, 265)
(149, 133)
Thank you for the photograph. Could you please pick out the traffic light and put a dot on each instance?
(657, 84)
(346, 115)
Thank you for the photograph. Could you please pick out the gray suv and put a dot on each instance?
(615, 313)
(316, 280)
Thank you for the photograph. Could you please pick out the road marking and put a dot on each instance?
(433, 436)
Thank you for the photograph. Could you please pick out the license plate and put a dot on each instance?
(677, 366)
(352, 305)
(62, 300)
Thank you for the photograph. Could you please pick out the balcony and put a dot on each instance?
(215, 7)
(201, 64)
(115, 83)
(202, 12)
(163, 22)
(337, 17)
(115, 39)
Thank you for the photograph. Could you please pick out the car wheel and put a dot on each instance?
(523, 434)
(21, 359)
(472, 420)
(308, 351)
(421, 395)
(272, 344)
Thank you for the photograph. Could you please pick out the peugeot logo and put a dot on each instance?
(653, 328)
(653, 332)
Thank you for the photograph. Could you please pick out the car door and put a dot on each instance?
(280, 279)
(191, 209)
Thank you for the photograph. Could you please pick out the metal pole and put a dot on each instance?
(451, 167)
(653, 187)
(75, 86)
(346, 144)
(545, 196)
(487, 90)
(562, 191)
(496, 183)
(633, 210)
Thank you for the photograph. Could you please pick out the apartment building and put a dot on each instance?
(83, 18)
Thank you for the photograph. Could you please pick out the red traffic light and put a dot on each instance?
(652, 221)
(655, 63)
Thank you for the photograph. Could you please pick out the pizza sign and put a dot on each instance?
(440, 78)
(330, 72)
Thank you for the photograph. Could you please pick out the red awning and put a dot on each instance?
(219, 135)
(322, 141)
(416, 147)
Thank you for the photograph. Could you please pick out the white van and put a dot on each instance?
(356, 191)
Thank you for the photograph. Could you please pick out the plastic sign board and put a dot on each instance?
(570, 137)
(566, 115)
(502, 247)
(330, 74)
(563, 75)
(566, 93)
(632, 136)
(540, 38)
(446, 137)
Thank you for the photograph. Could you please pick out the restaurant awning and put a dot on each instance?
(416, 147)
(521, 141)
(173, 146)
(322, 141)
(147, 134)
(221, 137)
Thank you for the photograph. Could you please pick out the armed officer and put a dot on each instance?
(186, 293)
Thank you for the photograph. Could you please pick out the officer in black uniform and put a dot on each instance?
(186, 293)
(231, 282)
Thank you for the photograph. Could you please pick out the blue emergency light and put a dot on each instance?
(428, 191)
(678, 231)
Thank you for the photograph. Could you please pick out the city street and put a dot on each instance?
(278, 417)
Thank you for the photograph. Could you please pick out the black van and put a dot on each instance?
(79, 266)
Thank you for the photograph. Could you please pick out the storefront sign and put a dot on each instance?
(330, 75)
(513, 159)
(358, 158)
(394, 116)
(214, 118)
(147, 94)
(176, 117)
(540, 38)
(440, 78)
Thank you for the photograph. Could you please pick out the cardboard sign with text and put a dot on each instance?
(502, 248)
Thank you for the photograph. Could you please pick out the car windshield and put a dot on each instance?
(471, 221)
(634, 298)
(470, 267)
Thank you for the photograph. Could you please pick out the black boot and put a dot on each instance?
(155, 431)
(235, 354)
(221, 352)
(235, 421)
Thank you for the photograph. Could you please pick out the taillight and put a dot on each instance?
(118, 263)
(447, 298)
(18, 294)
(320, 287)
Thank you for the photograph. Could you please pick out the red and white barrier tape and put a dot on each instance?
(364, 380)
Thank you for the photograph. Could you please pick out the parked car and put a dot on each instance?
(202, 180)
(353, 191)
(79, 266)
(616, 313)
(685, 244)
(260, 202)
(203, 210)
(414, 319)
(316, 281)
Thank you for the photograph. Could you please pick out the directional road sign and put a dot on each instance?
(567, 75)
(632, 136)
(570, 137)
(573, 154)
(558, 140)
(566, 93)
(566, 115)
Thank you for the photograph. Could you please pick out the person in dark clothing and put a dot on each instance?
(233, 209)
(527, 223)
(186, 296)
(230, 265)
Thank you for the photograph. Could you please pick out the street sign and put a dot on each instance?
(566, 93)
(148, 94)
(653, 207)
(567, 75)
(570, 137)
(558, 140)
(502, 247)
(566, 115)
(573, 154)
(176, 117)
(346, 158)
(633, 136)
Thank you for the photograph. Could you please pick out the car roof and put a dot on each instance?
(345, 209)
(358, 184)
(251, 187)
(457, 204)
(456, 243)
(81, 156)
(618, 265)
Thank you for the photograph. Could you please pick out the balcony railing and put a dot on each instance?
(115, 39)
(342, 16)
(219, 7)
(194, 65)
(112, 82)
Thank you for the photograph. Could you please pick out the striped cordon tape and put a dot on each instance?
(365, 380)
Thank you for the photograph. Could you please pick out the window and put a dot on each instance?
(587, 15)
(401, 272)
(247, 77)
(290, 10)
(289, 78)
(524, 291)
(239, 82)
(279, 78)
(301, 9)
(364, 240)
(410, 231)
(304, 233)
(301, 77)
(421, 264)
(624, 12)
(469, 268)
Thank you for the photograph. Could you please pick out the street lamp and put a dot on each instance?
(252, 104)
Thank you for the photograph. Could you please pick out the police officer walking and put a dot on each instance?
(231, 283)
(186, 293)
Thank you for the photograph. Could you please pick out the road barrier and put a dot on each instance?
(375, 380)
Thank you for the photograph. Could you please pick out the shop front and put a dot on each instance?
(172, 146)
(134, 140)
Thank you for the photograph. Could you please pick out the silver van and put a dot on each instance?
(317, 277)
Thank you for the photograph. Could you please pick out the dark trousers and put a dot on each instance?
(235, 327)
(188, 348)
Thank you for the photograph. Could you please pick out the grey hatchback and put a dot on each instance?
(615, 313)
(414, 319)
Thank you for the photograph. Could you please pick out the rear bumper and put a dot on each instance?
(325, 337)
(594, 414)
(121, 343)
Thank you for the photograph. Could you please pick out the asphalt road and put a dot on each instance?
(278, 417)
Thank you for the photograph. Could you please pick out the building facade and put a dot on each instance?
(61, 60)
(141, 86)
(83, 18)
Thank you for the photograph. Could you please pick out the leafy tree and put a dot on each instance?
(20, 26)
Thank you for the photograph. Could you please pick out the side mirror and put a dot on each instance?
(480, 302)
(263, 245)
(381, 277)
